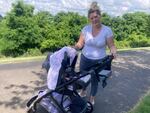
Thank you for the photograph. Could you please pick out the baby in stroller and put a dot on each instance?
(63, 82)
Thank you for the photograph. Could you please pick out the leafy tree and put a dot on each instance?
(21, 9)
(1, 17)
(106, 19)
(26, 33)
(148, 26)
(73, 22)
(64, 30)
(137, 21)
(119, 28)
(136, 40)
(23, 30)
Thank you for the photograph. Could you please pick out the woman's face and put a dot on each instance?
(94, 18)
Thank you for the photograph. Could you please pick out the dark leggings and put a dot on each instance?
(84, 64)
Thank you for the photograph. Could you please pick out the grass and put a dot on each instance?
(20, 59)
(24, 59)
(143, 105)
(141, 48)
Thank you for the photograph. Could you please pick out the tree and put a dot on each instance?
(106, 19)
(24, 31)
(148, 26)
(21, 9)
(64, 30)
(137, 21)
(1, 17)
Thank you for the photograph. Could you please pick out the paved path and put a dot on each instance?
(130, 81)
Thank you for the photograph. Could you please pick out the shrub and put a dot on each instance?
(6, 47)
(53, 44)
(136, 40)
(33, 52)
(122, 44)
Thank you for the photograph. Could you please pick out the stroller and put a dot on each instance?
(65, 98)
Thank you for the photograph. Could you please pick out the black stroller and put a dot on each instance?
(65, 98)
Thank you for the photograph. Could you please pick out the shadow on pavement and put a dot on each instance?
(20, 94)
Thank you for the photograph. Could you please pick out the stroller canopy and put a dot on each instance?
(56, 63)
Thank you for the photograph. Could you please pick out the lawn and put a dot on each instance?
(143, 106)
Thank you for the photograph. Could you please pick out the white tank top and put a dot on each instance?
(95, 47)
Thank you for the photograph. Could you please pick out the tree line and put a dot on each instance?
(24, 33)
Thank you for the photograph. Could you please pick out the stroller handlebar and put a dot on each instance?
(100, 64)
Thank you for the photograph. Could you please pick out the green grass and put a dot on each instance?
(143, 105)
(24, 59)
(20, 59)
(140, 48)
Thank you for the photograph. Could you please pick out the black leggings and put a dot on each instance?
(85, 63)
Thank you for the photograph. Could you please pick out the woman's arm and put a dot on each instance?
(80, 42)
(112, 47)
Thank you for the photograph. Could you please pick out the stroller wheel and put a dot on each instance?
(89, 108)
(31, 101)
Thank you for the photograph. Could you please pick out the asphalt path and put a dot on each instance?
(129, 82)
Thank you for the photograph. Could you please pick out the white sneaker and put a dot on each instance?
(93, 102)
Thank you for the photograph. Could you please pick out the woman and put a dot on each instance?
(93, 40)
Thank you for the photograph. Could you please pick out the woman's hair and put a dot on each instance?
(94, 8)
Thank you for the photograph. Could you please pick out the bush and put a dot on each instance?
(2, 56)
(134, 40)
(122, 44)
(138, 41)
(33, 52)
(53, 44)
(6, 47)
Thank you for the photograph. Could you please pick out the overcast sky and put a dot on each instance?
(112, 7)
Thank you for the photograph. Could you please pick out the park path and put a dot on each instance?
(129, 82)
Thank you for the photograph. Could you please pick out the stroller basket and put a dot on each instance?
(53, 105)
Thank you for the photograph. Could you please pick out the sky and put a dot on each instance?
(112, 7)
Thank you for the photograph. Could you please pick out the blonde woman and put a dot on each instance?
(93, 40)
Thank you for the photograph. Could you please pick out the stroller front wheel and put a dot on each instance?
(89, 108)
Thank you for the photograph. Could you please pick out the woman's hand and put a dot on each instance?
(75, 47)
(113, 51)
(112, 47)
